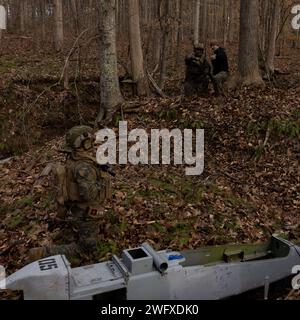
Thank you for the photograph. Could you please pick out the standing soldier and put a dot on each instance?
(220, 67)
(82, 187)
(198, 72)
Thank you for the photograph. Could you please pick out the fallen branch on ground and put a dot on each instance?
(155, 85)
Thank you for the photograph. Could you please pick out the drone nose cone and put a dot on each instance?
(3, 284)
(11, 283)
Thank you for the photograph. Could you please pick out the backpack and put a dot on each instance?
(60, 173)
(67, 189)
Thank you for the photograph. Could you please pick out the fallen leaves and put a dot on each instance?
(239, 198)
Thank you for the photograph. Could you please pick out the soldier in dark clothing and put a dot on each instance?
(198, 72)
(220, 67)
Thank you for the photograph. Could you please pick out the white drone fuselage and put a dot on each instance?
(144, 274)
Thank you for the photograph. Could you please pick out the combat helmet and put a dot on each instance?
(199, 49)
(79, 137)
(199, 46)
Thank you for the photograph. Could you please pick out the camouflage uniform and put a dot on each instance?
(198, 73)
(82, 188)
(88, 188)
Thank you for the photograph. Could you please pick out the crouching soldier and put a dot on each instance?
(82, 187)
(198, 72)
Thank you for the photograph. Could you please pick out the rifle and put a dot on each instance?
(107, 168)
(208, 273)
(197, 61)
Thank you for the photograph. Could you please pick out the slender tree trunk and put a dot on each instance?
(272, 38)
(3, 22)
(204, 21)
(179, 31)
(43, 22)
(75, 15)
(248, 69)
(197, 21)
(226, 19)
(165, 42)
(137, 60)
(233, 26)
(263, 26)
(59, 26)
(215, 17)
(22, 16)
(110, 92)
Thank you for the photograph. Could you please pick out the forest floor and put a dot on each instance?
(250, 188)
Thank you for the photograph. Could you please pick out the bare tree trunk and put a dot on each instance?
(179, 30)
(110, 92)
(204, 21)
(137, 60)
(248, 69)
(215, 19)
(272, 38)
(234, 17)
(3, 22)
(197, 21)
(75, 13)
(59, 26)
(264, 7)
(43, 26)
(22, 15)
(226, 19)
(165, 42)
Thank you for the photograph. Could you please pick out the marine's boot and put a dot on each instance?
(39, 253)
